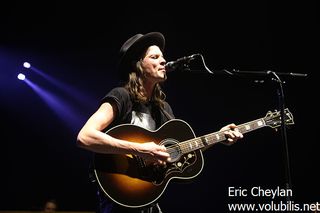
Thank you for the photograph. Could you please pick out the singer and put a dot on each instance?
(137, 109)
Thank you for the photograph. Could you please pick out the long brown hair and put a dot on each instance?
(136, 89)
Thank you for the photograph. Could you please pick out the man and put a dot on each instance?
(50, 206)
(139, 102)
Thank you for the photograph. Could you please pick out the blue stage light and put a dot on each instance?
(21, 76)
(27, 65)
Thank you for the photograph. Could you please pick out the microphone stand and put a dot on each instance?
(275, 77)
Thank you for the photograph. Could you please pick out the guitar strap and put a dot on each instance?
(168, 116)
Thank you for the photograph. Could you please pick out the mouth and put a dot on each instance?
(162, 70)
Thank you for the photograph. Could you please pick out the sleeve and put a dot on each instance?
(119, 97)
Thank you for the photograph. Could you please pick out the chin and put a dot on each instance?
(163, 77)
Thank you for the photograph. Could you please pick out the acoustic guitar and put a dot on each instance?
(131, 182)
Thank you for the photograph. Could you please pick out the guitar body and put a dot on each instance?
(129, 181)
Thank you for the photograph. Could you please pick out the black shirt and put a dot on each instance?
(149, 115)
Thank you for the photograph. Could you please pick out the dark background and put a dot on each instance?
(77, 44)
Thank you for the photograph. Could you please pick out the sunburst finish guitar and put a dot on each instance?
(130, 181)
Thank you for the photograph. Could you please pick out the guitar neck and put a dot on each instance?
(216, 137)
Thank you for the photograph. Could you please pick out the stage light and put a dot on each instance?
(21, 76)
(27, 65)
(62, 105)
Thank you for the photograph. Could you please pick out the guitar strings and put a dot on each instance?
(210, 139)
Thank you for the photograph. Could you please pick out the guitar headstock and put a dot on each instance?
(273, 119)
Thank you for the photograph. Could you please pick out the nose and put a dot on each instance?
(163, 61)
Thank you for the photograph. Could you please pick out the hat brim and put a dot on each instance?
(135, 51)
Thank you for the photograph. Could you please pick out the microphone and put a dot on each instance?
(180, 63)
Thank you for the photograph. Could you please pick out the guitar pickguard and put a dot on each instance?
(182, 164)
(176, 169)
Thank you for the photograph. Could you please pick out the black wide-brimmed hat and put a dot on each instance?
(132, 50)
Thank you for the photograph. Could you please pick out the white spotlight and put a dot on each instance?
(21, 76)
(27, 65)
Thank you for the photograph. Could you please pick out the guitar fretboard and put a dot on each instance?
(216, 137)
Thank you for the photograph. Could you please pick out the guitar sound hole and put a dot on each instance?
(173, 149)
